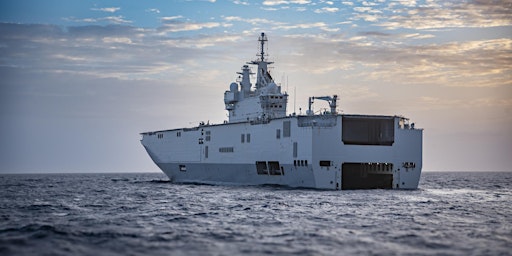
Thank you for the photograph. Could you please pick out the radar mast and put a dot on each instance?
(262, 39)
(263, 76)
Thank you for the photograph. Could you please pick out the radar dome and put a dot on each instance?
(233, 87)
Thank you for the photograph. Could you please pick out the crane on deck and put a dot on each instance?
(331, 100)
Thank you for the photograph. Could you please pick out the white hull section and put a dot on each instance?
(321, 151)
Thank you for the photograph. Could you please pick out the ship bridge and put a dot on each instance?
(264, 101)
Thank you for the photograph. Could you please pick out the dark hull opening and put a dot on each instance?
(363, 176)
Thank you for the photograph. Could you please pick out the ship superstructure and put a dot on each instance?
(266, 101)
(261, 144)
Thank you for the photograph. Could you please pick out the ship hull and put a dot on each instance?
(325, 152)
(234, 174)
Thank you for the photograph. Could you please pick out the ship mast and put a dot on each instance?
(264, 76)
(262, 39)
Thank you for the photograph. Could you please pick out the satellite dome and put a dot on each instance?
(233, 87)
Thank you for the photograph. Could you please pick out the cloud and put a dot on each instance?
(117, 40)
(174, 24)
(483, 63)
(252, 21)
(186, 26)
(320, 25)
(366, 9)
(170, 18)
(107, 9)
(282, 25)
(327, 10)
(438, 15)
(283, 2)
(274, 2)
(116, 50)
(153, 10)
(443, 103)
(239, 2)
(111, 19)
(389, 58)
(116, 19)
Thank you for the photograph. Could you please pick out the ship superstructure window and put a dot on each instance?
(242, 138)
(178, 134)
(295, 148)
(208, 136)
(286, 129)
(325, 163)
(206, 152)
(160, 136)
(278, 133)
(248, 138)
(226, 150)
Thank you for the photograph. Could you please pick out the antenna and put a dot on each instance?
(262, 40)
(294, 97)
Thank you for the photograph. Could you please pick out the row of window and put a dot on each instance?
(274, 106)
(377, 167)
(161, 135)
(245, 138)
(300, 163)
(226, 150)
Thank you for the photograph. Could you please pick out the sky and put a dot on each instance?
(81, 79)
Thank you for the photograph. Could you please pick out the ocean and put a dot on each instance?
(457, 213)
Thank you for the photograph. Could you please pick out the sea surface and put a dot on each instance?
(457, 213)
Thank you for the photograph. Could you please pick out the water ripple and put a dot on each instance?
(141, 214)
